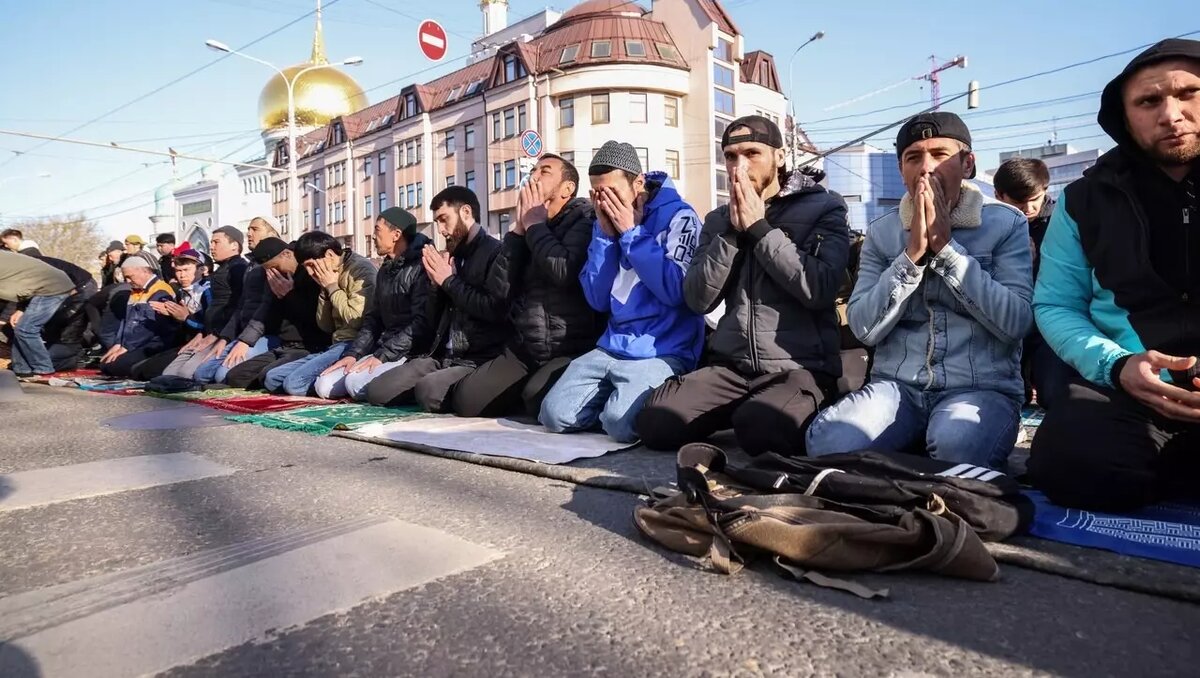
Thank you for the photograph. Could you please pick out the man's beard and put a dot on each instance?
(1178, 156)
(455, 239)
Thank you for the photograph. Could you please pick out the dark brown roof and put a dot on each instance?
(719, 16)
(617, 30)
(759, 68)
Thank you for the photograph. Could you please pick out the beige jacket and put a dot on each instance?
(340, 307)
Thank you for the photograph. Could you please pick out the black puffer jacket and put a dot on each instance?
(225, 284)
(394, 323)
(779, 281)
(538, 273)
(294, 317)
(249, 322)
(472, 323)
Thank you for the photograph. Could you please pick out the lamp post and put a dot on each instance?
(39, 175)
(293, 199)
(792, 89)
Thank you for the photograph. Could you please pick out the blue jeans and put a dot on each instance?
(213, 371)
(296, 377)
(29, 354)
(973, 427)
(600, 388)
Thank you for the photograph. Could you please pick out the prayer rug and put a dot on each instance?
(256, 404)
(324, 420)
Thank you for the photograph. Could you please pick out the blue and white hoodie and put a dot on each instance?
(638, 279)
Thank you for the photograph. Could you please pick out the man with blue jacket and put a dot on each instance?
(143, 331)
(1118, 298)
(642, 243)
(943, 295)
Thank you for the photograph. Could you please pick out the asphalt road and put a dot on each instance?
(231, 550)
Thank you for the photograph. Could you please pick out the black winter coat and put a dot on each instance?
(538, 274)
(225, 284)
(394, 325)
(294, 317)
(248, 324)
(472, 323)
(779, 280)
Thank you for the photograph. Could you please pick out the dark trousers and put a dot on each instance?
(123, 366)
(427, 382)
(154, 365)
(1045, 372)
(250, 372)
(506, 386)
(769, 413)
(65, 357)
(1100, 449)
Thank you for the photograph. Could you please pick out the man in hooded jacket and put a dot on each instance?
(776, 256)
(1118, 298)
(537, 272)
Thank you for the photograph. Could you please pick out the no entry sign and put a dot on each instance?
(432, 39)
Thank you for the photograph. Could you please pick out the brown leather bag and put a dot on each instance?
(712, 517)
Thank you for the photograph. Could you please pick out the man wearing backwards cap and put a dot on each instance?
(393, 324)
(776, 256)
(142, 332)
(642, 242)
(1117, 299)
(943, 294)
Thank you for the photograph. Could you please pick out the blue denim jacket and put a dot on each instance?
(957, 321)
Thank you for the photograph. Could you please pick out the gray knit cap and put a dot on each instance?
(615, 155)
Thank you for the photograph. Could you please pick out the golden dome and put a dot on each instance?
(321, 94)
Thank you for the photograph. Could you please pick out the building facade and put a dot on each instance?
(868, 178)
(667, 80)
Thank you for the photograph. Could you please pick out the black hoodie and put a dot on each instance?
(394, 325)
(1132, 227)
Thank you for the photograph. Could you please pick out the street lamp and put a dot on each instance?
(293, 199)
(39, 175)
(792, 89)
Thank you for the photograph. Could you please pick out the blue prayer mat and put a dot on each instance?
(1168, 532)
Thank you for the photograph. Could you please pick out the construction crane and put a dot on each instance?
(934, 78)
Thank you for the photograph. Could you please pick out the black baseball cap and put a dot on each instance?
(267, 249)
(938, 124)
(762, 130)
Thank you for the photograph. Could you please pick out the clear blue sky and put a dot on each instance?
(70, 61)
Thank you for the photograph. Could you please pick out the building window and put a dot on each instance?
(367, 167)
(637, 107)
(599, 109)
(306, 220)
(469, 180)
(382, 201)
(469, 138)
(522, 120)
(317, 218)
(510, 173)
(724, 50)
(450, 143)
(671, 111)
(673, 164)
(420, 193)
(496, 126)
(367, 202)
(566, 112)
(601, 49)
(473, 88)
(411, 153)
(722, 181)
(644, 156)
(569, 156)
(510, 121)
(635, 48)
(723, 76)
(568, 54)
(400, 201)
(382, 163)
(505, 220)
(449, 181)
(667, 52)
(496, 185)
(723, 101)
(513, 68)
(410, 105)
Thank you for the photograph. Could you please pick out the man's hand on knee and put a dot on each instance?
(1140, 379)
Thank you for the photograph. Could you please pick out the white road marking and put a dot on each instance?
(40, 487)
(152, 618)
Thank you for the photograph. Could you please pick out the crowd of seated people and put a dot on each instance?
(590, 313)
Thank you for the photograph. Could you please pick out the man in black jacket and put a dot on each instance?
(288, 313)
(1118, 299)
(225, 287)
(393, 326)
(471, 323)
(537, 272)
(776, 255)
(164, 243)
